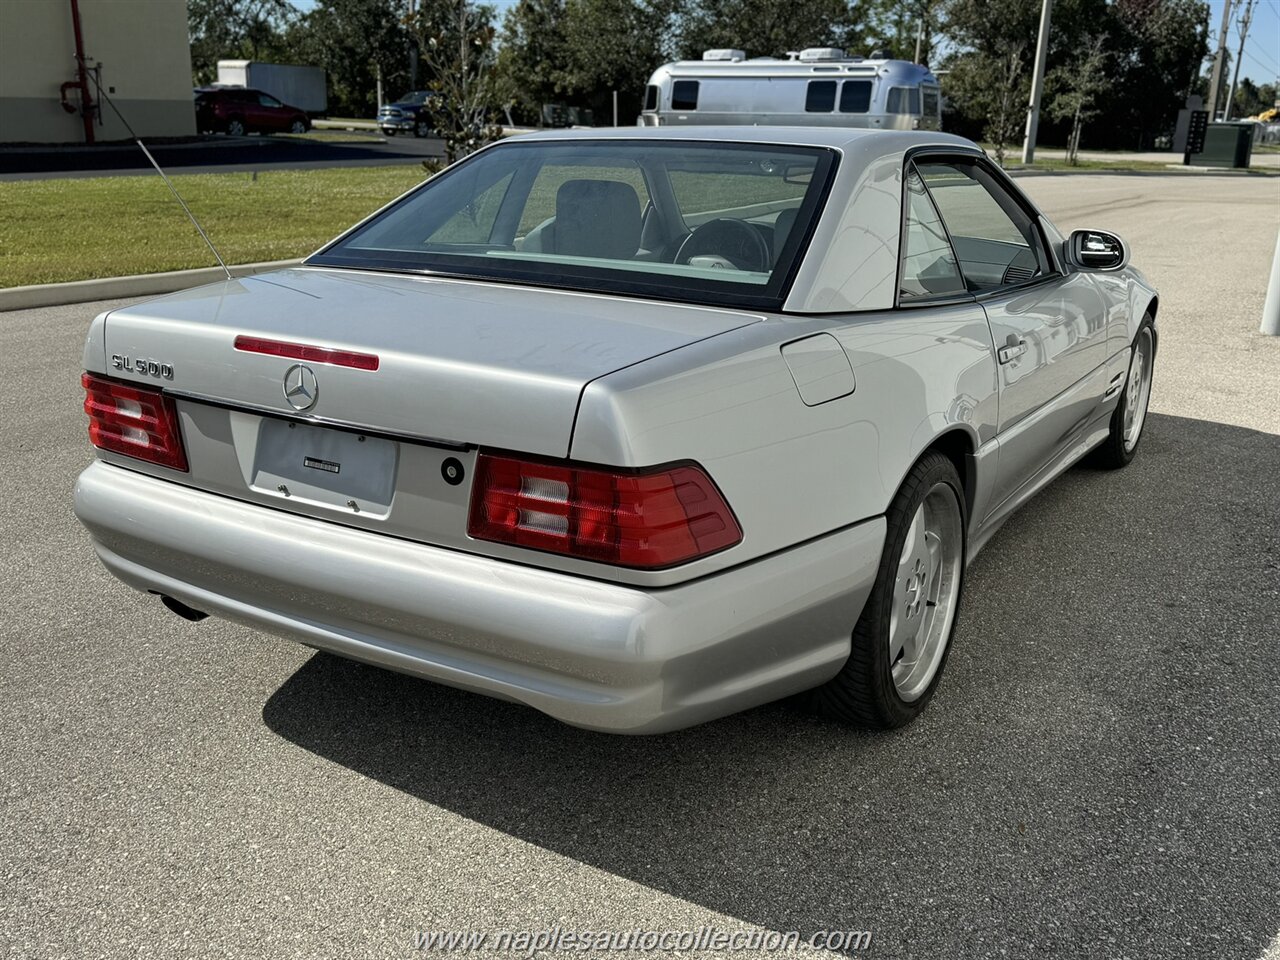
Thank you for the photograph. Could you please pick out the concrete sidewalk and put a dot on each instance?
(1259, 160)
(138, 285)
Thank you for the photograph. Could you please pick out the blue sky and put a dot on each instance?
(1261, 53)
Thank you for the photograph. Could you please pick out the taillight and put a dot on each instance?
(137, 421)
(304, 351)
(646, 518)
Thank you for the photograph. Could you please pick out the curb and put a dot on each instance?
(1175, 170)
(139, 285)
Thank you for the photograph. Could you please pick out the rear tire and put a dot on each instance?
(902, 639)
(1130, 414)
(421, 128)
(236, 127)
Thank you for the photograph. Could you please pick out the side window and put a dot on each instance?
(994, 238)
(930, 95)
(855, 96)
(651, 97)
(904, 100)
(820, 97)
(684, 95)
(268, 101)
(928, 263)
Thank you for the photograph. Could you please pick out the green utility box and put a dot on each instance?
(1226, 145)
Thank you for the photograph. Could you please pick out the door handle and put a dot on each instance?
(1014, 347)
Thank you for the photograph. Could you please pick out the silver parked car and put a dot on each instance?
(638, 427)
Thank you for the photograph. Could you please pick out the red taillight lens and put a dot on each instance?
(630, 519)
(137, 421)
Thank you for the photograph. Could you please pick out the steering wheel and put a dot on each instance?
(726, 243)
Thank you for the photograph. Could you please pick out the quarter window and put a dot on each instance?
(855, 96)
(929, 267)
(820, 97)
(684, 95)
(993, 236)
(650, 97)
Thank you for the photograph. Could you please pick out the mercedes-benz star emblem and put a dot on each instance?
(300, 387)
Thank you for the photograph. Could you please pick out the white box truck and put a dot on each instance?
(301, 87)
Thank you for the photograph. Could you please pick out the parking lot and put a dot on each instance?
(1098, 777)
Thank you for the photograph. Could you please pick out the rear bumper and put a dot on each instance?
(599, 655)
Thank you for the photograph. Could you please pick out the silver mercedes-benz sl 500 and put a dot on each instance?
(638, 427)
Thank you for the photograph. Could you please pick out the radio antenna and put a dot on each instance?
(168, 183)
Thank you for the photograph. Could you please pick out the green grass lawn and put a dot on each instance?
(57, 230)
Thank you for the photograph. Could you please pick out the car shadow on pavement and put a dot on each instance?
(1097, 770)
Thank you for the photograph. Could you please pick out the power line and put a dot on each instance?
(1269, 67)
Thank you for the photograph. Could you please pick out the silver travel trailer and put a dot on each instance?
(816, 87)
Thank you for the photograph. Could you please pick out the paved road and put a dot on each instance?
(1097, 778)
(217, 155)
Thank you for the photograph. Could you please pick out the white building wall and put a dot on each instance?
(145, 55)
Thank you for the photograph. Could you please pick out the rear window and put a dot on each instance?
(855, 96)
(684, 95)
(820, 97)
(699, 222)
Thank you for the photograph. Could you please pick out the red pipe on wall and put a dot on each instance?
(86, 99)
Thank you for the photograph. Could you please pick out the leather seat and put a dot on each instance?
(596, 218)
(782, 225)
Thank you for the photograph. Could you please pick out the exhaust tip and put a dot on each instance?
(182, 610)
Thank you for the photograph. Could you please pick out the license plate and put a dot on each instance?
(349, 471)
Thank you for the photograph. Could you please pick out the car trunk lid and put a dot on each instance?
(458, 362)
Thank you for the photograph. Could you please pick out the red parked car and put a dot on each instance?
(240, 110)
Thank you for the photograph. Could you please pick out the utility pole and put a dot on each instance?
(1246, 18)
(1037, 84)
(919, 39)
(1215, 79)
(412, 45)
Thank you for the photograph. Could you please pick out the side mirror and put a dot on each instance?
(1097, 250)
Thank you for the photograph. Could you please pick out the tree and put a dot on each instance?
(1159, 47)
(456, 42)
(1074, 88)
(233, 30)
(1252, 99)
(990, 69)
(354, 40)
(763, 28)
(895, 27)
(614, 45)
(533, 56)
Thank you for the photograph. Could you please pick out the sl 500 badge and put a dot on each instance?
(142, 366)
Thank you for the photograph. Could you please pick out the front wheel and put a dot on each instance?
(1130, 415)
(298, 126)
(901, 641)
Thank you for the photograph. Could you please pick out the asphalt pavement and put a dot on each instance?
(218, 154)
(1098, 776)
